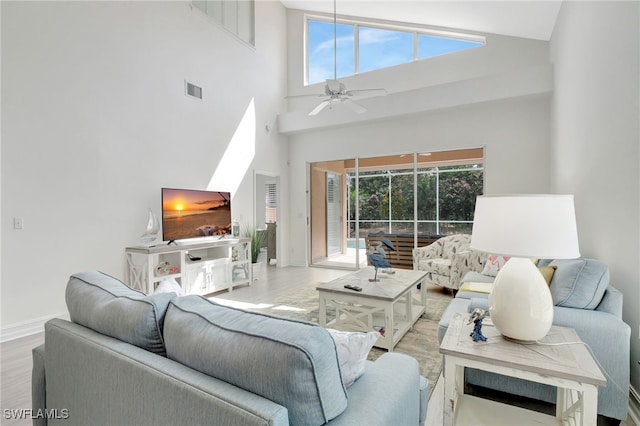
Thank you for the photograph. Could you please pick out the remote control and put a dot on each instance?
(353, 287)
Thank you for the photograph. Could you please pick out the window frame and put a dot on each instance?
(237, 17)
(415, 30)
(271, 202)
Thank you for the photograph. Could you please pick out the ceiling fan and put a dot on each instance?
(335, 91)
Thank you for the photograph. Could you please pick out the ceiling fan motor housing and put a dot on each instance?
(334, 87)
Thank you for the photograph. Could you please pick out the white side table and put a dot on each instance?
(569, 367)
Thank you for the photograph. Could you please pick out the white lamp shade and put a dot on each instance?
(534, 226)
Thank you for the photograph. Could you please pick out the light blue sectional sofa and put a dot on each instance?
(130, 359)
(583, 300)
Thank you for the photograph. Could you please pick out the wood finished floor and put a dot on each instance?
(15, 361)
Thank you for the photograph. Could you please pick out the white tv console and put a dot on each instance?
(222, 264)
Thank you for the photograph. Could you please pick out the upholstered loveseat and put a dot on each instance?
(127, 358)
(583, 300)
(447, 260)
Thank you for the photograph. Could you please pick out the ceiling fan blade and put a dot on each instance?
(367, 92)
(354, 106)
(320, 107)
(310, 95)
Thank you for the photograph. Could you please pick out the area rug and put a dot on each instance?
(421, 341)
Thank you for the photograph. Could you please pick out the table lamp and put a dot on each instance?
(524, 227)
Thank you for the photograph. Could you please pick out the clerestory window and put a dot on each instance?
(363, 47)
(235, 16)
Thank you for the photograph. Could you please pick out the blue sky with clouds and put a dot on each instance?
(378, 48)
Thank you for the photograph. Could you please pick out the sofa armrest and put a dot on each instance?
(38, 389)
(387, 393)
(609, 339)
(431, 251)
(611, 302)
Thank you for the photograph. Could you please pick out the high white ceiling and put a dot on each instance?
(520, 18)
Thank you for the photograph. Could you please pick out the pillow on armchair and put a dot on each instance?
(493, 264)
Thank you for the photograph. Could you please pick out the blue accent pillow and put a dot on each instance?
(292, 363)
(104, 304)
(579, 283)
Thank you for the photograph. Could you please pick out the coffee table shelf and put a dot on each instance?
(474, 411)
(389, 303)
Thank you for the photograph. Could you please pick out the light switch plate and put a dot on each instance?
(18, 223)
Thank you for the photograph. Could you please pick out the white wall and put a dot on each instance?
(95, 122)
(515, 135)
(596, 137)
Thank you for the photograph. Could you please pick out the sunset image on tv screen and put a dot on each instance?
(192, 213)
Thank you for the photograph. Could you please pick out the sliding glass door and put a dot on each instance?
(414, 197)
(447, 191)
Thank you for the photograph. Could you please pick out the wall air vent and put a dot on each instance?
(192, 91)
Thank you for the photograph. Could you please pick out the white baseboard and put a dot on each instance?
(634, 407)
(27, 328)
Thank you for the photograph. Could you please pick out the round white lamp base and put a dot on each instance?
(520, 302)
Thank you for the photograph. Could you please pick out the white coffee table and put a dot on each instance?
(387, 305)
(569, 367)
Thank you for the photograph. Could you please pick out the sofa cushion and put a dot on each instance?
(477, 277)
(292, 363)
(579, 283)
(104, 304)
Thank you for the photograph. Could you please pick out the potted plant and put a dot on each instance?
(256, 243)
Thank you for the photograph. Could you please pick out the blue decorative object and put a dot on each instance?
(476, 317)
(389, 244)
(378, 262)
(377, 256)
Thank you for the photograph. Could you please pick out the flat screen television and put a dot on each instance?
(188, 213)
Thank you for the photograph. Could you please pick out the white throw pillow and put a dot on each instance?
(169, 285)
(353, 348)
(493, 264)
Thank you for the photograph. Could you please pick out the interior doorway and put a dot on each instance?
(266, 207)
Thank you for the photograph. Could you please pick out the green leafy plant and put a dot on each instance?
(256, 241)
